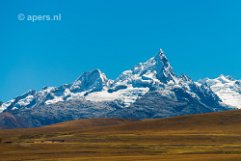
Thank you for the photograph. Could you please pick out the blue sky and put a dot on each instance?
(200, 38)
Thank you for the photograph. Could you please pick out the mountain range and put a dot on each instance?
(148, 90)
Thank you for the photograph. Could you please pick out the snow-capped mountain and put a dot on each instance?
(227, 88)
(154, 74)
(148, 90)
(134, 83)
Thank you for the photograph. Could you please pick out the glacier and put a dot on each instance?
(226, 88)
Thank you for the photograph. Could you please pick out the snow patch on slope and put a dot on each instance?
(126, 96)
(228, 89)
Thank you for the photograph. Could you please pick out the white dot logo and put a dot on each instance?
(21, 16)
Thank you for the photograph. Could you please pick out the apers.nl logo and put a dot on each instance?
(37, 18)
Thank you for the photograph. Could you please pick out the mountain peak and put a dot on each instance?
(164, 69)
(157, 69)
(161, 58)
(94, 80)
(93, 74)
(160, 55)
(225, 78)
(161, 51)
(227, 89)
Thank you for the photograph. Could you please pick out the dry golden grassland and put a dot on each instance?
(206, 137)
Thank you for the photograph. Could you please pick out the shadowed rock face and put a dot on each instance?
(151, 105)
(155, 105)
(50, 114)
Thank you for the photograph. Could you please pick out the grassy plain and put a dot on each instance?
(205, 137)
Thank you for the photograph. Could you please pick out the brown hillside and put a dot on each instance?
(227, 121)
(209, 137)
